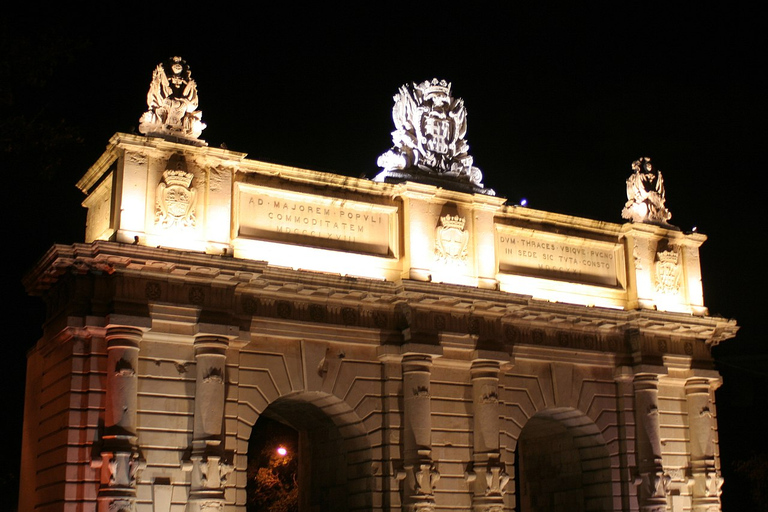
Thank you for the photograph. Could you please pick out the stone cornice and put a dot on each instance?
(260, 280)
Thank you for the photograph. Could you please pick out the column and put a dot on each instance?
(119, 456)
(488, 477)
(626, 424)
(209, 469)
(701, 424)
(420, 473)
(652, 491)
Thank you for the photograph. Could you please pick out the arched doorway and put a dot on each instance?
(562, 464)
(329, 446)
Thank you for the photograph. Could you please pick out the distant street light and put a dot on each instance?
(281, 451)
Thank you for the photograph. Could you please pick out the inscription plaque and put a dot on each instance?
(304, 219)
(564, 258)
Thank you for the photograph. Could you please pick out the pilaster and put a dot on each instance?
(207, 462)
(488, 476)
(119, 458)
(706, 479)
(652, 492)
(420, 472)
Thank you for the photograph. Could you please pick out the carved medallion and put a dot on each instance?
(250, 305)
(451, 240)
(196, 295)
(152, 291)
(284, 309)
(317, 312)
(512, 333)
(349, 316)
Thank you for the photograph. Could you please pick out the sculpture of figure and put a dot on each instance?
(172, 101)
(645, 195)
(429, 137)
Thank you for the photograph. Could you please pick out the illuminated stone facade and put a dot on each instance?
(436, 349)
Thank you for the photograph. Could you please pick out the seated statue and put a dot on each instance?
(645, 195)
(172, 101)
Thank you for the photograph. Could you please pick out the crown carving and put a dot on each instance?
(435, 88)
(667, 257)
(178, 177)
(453, 221)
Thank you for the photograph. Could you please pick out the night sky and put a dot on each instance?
(560, 102)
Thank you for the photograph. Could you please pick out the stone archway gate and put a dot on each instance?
(157, 361)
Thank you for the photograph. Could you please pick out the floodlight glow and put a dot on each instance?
(523, 202)
(281, 451)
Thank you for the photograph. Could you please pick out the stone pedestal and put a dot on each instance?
(652, 492)
(706, 479)
(119, 458)
(207, 464)
(420, 473)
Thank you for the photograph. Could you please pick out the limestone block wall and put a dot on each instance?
(165, 417)
(452, 417)
(62, 419)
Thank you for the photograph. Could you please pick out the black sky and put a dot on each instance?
(561, 100)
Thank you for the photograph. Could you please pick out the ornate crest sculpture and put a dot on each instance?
(451, 240)
(667, 272)
(172, 101)
(645, 194)
(175, 196)
(429, 143)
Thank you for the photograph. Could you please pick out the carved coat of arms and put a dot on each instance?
(451, 240)
(667, 272)
(429, 137)
(175, 196)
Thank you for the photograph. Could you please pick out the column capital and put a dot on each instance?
(485, 369)
(212, 344)
(123, 336)
(702, 384)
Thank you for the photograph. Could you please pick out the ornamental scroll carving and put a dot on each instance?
(429, 139)
(172, 102)
(645, 195)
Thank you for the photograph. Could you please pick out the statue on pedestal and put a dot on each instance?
(172, 101)
(429, 143)
(645, 194)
